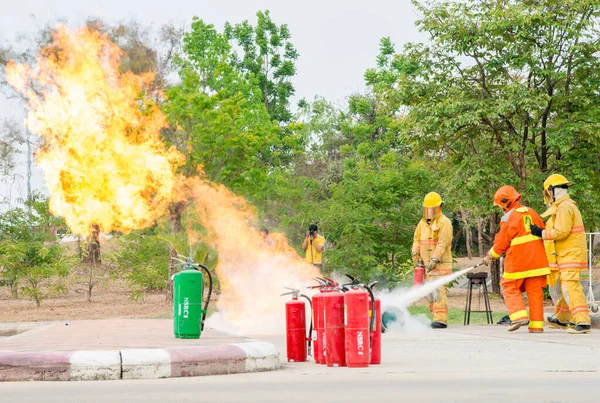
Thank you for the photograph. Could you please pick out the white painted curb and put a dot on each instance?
(154, 363)
(145, 363)
(260, 356)
(95, 365)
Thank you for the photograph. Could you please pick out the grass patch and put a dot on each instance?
(456, 316)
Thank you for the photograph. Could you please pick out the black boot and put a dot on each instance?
(556, 324)
(580, 329)
(438, 325)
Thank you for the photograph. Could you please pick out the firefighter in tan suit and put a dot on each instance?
(566, 247)
(433, 246)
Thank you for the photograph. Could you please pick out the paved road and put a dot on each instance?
(472, 364)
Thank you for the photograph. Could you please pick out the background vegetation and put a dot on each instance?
(503, 92)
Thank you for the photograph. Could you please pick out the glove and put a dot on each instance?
(535, 230)
(487, 259)
(416, 258)
(431, 265)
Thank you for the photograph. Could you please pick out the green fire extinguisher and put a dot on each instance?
(188, 290)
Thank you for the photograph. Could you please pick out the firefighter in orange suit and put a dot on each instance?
(525, 266)
(564, 237)
(432, 245)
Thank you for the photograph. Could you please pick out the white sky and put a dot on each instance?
(337, 39)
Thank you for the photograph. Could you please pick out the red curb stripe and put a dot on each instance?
(35, 366)
(207, 360)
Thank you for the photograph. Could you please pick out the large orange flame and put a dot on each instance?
(105, 165)
(253, 271)
(102, 157)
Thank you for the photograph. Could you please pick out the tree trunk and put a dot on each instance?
(175, 212)
(14, 289)
(480, 246)
(92, 253)
(90, 283)
(465, 219)
(457, 239)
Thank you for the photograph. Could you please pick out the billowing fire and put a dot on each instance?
(252, 271)
(102, 157)
(105, 165)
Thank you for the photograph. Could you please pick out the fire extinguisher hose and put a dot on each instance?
(309, 338)
(373, 314)
(210, 285)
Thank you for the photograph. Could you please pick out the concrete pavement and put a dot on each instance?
(124, 349)
(459, 364)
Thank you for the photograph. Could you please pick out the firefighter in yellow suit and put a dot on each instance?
(432, 245)
(564, 238)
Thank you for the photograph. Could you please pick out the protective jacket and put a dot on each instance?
(564, 236)
(525, 253)
(435, 240)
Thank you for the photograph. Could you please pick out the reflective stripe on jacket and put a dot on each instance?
(565, 235)
(435, 239)
(525, 253)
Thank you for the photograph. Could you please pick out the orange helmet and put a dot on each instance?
(505, 197)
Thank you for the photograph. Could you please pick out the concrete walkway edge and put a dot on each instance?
(154, 363)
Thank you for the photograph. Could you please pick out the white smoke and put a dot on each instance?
(399, 299)
(394, 301)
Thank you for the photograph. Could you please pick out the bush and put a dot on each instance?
(35, 264)
(142, 259)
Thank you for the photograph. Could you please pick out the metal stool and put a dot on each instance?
(478, 279)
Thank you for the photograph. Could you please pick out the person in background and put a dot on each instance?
(432, 246)
(564, 238)
(264, 233)
(525, 265)
(313, 245)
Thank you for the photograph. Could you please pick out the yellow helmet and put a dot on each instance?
(432, 199)
(554, 180)
(432, 206)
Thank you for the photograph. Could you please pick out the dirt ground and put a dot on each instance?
(112, 301)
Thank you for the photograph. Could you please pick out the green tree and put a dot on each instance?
(268, 55)
(504, 93)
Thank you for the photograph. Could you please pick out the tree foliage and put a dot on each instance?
(32, 261)
(505, 92)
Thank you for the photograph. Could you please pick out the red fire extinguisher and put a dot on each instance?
(359, 302)
(333, 312)
(295, 323)
(419, 274)
(376, 331)
(329, 285)
(318, 331)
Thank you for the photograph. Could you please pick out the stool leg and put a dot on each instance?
(466, 305)
(488, 305)
(470, 302)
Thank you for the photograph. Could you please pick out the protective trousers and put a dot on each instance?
(572, 305)
(438, 300)
(534, 286)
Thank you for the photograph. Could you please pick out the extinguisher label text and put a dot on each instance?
(314, 335)
(186, 307)
(360, 343)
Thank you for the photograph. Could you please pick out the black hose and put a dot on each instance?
(205, 310)
(311, 322)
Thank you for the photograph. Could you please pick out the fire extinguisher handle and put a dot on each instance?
(293, 291)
